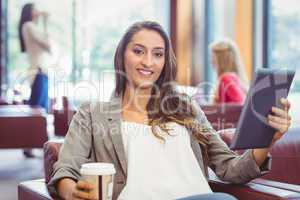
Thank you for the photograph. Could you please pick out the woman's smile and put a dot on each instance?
(145, 72)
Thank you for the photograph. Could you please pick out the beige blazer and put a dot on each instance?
(94, 136)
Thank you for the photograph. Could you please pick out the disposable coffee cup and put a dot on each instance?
(101, 175)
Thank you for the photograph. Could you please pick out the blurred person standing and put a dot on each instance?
(35, 43)
(232, 81)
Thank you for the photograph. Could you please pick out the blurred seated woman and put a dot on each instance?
(232, 81)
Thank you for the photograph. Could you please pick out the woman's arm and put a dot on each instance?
(75, 151)
(235, 168)
(41, 40)
(228, 165)
(45, 16)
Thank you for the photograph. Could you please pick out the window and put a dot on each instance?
(284, 44)
(60, 30)
(99, 27)
(84, 35)
(220, 24)
(284, 38)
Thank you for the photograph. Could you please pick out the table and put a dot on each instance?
(22, 126)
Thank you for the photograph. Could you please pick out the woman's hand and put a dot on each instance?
(45, 14)
(82, 191)
(280, 120)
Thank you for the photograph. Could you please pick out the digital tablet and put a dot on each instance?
(267, 88)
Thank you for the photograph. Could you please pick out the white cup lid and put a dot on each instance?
(99, 168)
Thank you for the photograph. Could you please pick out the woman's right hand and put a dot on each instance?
(45, 14)
(82, 190)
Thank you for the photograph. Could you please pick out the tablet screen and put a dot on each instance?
(266, 90)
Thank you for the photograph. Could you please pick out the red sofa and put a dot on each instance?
(258, 189)
(281, 183)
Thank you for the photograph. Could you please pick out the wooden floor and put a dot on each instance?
(14, 168)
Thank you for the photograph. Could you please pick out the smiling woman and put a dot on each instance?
(158, 139)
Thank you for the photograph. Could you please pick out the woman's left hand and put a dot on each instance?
(280, 119)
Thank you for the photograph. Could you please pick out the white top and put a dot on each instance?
(158, 170)
(37, 46)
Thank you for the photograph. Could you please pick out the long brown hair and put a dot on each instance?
(26, 16)
(165, 105)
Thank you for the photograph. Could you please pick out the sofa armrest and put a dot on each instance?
(276, 184)
(253, 191)
(35, 189)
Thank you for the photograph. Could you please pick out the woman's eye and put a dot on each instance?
(158, 54)
(138, 51)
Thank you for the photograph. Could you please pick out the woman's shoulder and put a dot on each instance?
(29, 25)
(228, 77)
(98, 109)
(94, 106)
(28, 28)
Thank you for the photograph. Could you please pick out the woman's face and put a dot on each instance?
(144, 58)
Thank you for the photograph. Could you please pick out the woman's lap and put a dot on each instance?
(212, 196)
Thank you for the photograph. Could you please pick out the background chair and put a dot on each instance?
(62, 118)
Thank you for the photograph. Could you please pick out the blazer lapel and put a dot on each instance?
(113, 118)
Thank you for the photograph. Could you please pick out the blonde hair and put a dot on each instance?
(228, 59)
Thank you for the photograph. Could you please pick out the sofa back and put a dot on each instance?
(222, 116)
(286, 158)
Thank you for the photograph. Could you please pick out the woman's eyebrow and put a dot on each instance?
(142, 46)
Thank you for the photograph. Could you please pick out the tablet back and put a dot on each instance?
(266, 90)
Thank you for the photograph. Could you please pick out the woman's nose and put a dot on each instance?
(147, 60)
